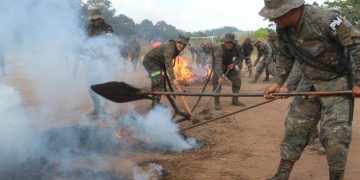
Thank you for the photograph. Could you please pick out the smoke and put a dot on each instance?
(45, 41)
(17, 138)
(157, 130)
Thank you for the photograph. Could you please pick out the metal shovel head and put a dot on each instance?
(119, 92)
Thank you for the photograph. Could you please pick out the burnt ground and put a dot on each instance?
(243, 146)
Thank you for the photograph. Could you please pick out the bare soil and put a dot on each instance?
(244, 146)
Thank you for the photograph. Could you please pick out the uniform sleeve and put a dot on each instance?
(284, 64)
(217, 69)
(239, 58)
(169, 54)
(259, 54)
(294, 77)
(267, 52)
(342, 31)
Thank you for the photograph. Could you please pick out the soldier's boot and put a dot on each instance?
(217, 103)
(284, 170)
(267, 74)
(336, 175)
(235, 102)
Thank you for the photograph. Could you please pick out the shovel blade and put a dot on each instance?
(119, 92)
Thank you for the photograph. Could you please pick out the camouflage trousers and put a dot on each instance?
(157, 79)
(333, 113)
(265, 65)
(155, 74)
(248, 64)
(233, 76)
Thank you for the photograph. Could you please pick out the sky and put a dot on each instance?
(197, 15)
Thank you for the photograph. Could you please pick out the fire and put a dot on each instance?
(186, 73)
(182, 69)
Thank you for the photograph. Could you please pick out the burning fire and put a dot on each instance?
(185, 73)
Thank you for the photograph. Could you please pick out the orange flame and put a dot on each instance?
(185, 73)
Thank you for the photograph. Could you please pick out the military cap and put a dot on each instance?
(183, 39)
(230, 37)
(95, 14)
(277, 8)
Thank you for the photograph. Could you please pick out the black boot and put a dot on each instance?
(235, 102)
(336, 175)
(217, 103)
(284, 170)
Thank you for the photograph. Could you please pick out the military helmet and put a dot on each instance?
(183, 39)
(95, 14)
(277, 8)
(230, 37)
(247, 40)
(254, 41)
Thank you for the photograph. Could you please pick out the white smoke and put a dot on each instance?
(16, 130)
(47, 43)
(157, 130)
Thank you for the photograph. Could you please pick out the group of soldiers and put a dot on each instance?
(322, 49)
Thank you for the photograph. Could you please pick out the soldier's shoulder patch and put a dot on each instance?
(336, 23)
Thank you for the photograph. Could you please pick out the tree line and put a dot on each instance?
(147, 30)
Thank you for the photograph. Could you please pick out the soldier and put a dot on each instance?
(161, 59)
(227, 56)
(321, 40)
(97, 27)
(134, 52)
(264, 59)
(247, 51)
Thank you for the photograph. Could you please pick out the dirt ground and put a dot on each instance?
(244, 146)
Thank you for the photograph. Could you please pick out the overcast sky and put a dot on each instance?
(196, 15)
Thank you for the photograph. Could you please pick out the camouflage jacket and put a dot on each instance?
(322, 36)
(225, 57)
(102, 29)
(247, 49)
(163, 56)
(264, 50)
(274, 49)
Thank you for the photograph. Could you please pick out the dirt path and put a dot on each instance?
(244, 146)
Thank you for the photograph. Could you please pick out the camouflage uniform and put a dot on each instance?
(161, 59)
(223, 58)
(319, 44)
(99, 102)
(263, 60)
(247, 49)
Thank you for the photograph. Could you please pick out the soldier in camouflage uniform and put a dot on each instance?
(247, 49)
(227, 56)
(321, 40)
(97, 27)
(161, 59)
(264, 59)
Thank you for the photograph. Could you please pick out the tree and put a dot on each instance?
(123, 25)
(144, 29)
(349, 8)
